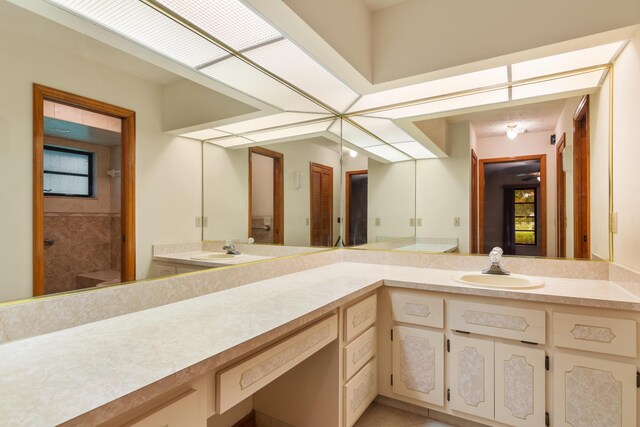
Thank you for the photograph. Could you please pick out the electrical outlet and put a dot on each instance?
(198, 221)
(419, 222)
(614, 222)
(412, 222)
(377, 222)
(307, 221)
(205, 221)
(456, 222)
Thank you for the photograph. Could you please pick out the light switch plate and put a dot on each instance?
(198, 221)
(412, 222)
(377, 222)
(419, 222)
(456, 222)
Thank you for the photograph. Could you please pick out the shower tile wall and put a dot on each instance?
(86, 232)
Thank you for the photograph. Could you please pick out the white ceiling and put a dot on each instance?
(539, 117)
(374, 5)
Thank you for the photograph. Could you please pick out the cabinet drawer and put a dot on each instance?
(164, 269)
(359, 317)
(245, 378)
(359, 352)
(360, 392)
(498, 321)
(417, 307)
(180, 411)
(593, 333)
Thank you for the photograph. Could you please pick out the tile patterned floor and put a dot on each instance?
(378, 415)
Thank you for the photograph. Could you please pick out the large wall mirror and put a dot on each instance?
(253, 139)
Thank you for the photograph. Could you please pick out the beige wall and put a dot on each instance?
(167, 183)
(626, 155)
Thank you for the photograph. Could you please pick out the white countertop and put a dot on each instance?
(52, 378)
(187, 258)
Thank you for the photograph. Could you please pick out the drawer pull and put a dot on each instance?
(259, 371)
(495, 320)
(593, 333)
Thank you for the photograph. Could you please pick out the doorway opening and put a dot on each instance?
(512, 212)
(356, 207)
(474, 203)
(321, 205)
(581, 176)
(266, 196)
(83, 192)
(561, 192)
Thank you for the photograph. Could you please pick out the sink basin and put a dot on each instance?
(513, 281)
(213, 256)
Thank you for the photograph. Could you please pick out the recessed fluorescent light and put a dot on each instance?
(288, 61)
(564, 84)
(466, 101)
(243, 77)
(432, 88)
(233, 141)
(269, 122)
(289, 132)
(565, 61)
(415, 150)
(353, 135)
(388, 152)
(230, 21)
(148, 27)
(384, 128)
(204, 134)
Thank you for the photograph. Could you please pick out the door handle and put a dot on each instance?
(48, 242)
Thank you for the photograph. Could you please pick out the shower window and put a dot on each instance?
(525, 216)
(68, 172)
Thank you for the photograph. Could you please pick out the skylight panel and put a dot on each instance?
(229, 21)
(415, 150)
(565, 61)
(245, 78)
(388, 152)
(266, 122)
(205, 134)
(450, 104)
(353, 135)
(291, 63)
(433, 88)
(384, 128)
(148, 27)
(289, 132)
(564, 84)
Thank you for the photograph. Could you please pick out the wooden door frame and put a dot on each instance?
(543, 196)
(319, 165)
(474, 203)
(581, 170)
(561, 227)
(278, 192)
(127, 173)
(347, 191)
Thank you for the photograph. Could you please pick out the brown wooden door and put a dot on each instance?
(581, 214)
(474, 202)
(561, 182)
(321, 205)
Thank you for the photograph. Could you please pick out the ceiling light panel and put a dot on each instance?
(245, 78)
(388, 152)
(271, 121)
(433, 88)
(229, 21)
(353, 135)
(565, 61)
(231, 142)
(565, 84)
(302, 130)
(415, 150)
(205, 134)
(450, 104)
(148, 27)
(384, 128)
(288, 61)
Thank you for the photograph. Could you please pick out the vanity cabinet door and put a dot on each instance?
(520, 389)
(471, 376)
(418, 364)
(593, 392)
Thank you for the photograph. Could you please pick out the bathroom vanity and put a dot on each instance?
(317, 346)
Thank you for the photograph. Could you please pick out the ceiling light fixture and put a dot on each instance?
(513, 131)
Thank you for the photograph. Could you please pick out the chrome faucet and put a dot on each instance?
(495, 256)
(230, 248)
